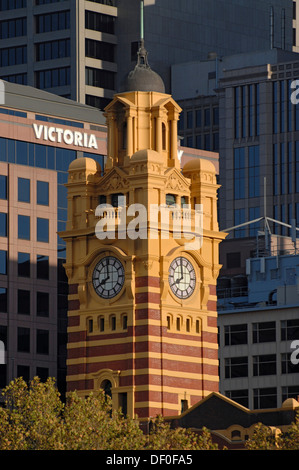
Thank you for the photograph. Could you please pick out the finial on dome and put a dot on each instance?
(142, 52)
(142, 78)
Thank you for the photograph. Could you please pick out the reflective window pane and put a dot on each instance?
(23, 190)
(3, 224)
(3, 262)
(42, 193)
(3, 187)
(42, 230)
(24, 264)
(24, 227)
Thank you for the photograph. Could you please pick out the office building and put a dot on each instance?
(246, 113)
(40, 135)
(258, 327)
(83, 50)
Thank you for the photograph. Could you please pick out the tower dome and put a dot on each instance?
(142, 77)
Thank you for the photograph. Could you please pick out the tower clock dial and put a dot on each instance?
(108, 277)
(182, 277)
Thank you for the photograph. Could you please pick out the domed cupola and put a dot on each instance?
(142, 77)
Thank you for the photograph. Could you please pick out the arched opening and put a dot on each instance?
(163, 136)
(106, 385)
(124, 136)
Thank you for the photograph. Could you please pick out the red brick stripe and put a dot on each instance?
(147, 281)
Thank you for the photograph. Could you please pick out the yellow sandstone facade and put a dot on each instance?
(142, 309)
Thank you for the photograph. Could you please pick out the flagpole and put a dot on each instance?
(142, 21)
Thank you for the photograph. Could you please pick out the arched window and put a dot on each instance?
(101, 323)
(106, 385)
(113, 322)
(236, 434)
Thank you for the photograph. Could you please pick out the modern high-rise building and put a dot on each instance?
(259, 329)
(40, 134)
(83, 49)
(255, 99)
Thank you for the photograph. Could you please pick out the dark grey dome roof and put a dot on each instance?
(143, 78)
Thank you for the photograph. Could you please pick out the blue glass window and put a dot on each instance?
(251, 110)
(239, 173)
(254, 171)
(189, 120)
(64, 159)
(24, 264)
(23, 190)
(237, 112)
(24, 227)
(42, 234)
(290, 168)
(3, 224)
(3, 187)
(3, 152)
(254, 213)
(282, 107)
(276, 169)
(290, 107)
(3, 262)
(42, 193)
(244, 124)
(239, 219)
(275, 107)
(41, 156)
(51, 158)
(22, 153)
(62, 196)
(282, 169)
(11, 151)
(257, 109)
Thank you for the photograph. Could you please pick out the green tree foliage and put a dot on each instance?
(290, 439)
(265, 439)
(162, 437)
(34, 418)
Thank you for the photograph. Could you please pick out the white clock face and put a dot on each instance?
(182, 278)
(108, 277)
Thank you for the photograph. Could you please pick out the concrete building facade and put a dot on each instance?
(259, 333)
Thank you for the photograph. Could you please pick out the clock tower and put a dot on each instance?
(142, 319)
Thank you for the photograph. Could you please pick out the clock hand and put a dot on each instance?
(104, 280)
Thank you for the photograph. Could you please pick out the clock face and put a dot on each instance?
(182, 278)
(108, 277)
